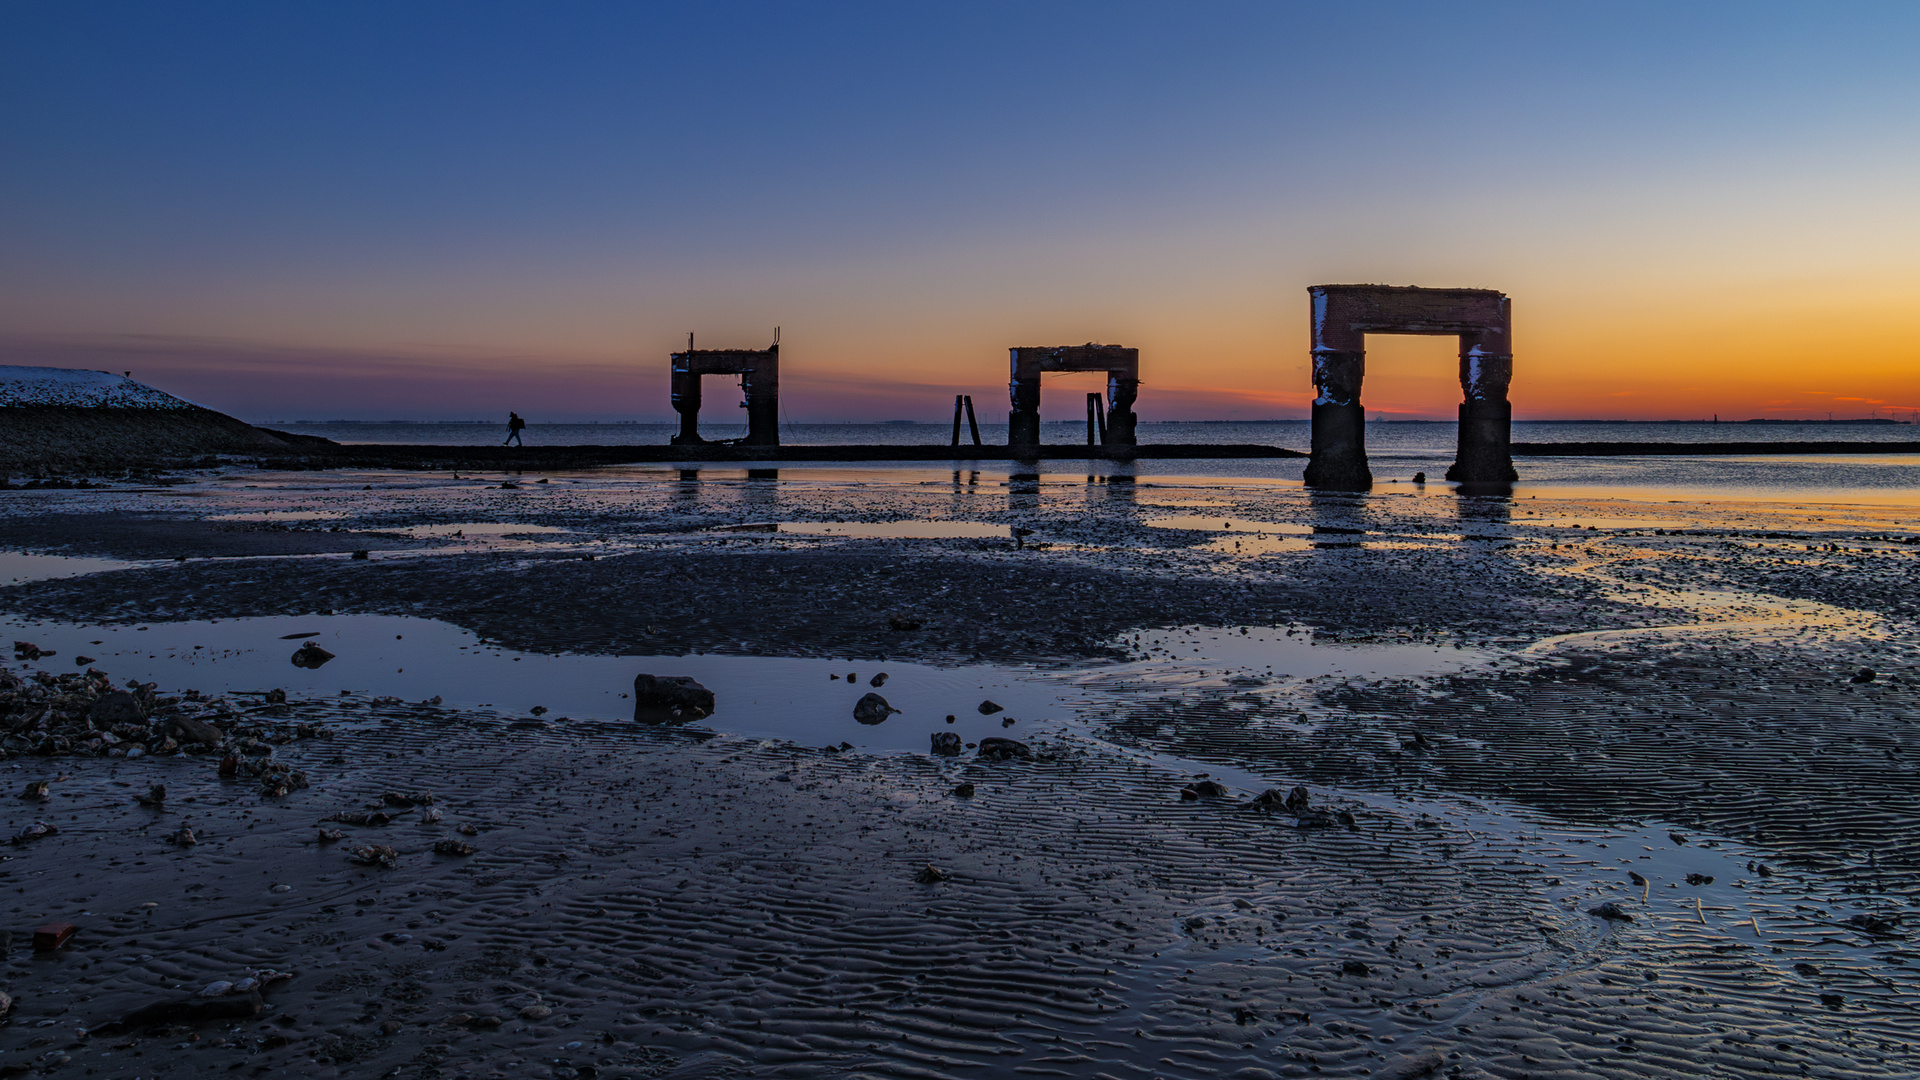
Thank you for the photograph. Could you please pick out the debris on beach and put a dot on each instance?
(33, 832)
(36, 789)
(182, 837)
(310, 656)
(1610, 911)
(155, 797)
(1203, 789)
(668, 698)
(27, 650)
(375, 855)
(964, 791)
(997, 749)
(932, 875)
(1864, 675)
(370, 818)
(453, 847)
(872, 709)
(403, 800)
(53, 936)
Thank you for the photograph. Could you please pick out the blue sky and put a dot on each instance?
(455, 206)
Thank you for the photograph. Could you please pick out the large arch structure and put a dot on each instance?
(759, 371)
(1121, 364)
(1343, 316)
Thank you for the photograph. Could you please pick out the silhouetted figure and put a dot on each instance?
(515, 426)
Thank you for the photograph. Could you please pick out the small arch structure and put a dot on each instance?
(1343, 315)
(759, 372)
(1121, 364)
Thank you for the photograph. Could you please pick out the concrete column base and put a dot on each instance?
(1485, 455)
(1023, 428)
(1339, 452)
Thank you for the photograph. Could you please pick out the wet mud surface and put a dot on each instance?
(1665, 722)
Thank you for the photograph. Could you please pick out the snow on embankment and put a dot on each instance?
(66, 420)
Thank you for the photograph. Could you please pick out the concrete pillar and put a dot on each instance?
(1121, 420)
(1338, 459)
(1023, 423)
(686, 401)
(1485, 454)
(761, 382)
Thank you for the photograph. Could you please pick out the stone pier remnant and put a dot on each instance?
(759, 371)
(1343, 315)
(1122, 366)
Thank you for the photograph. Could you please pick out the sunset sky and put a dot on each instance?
(446, 210)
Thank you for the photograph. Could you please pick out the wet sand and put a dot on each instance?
(1664, 695)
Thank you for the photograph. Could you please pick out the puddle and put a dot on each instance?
(1252, 656)
(776, 697)
(417, 659)
(471, 529)
(22, 566)
(281, 515)
(878, 530)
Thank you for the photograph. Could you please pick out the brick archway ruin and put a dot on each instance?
(1121, 364)
(1343, 315)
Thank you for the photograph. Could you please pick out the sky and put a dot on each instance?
(448, 210)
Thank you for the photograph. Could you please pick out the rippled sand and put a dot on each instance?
(1666, 694)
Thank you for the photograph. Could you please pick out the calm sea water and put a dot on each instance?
(1397, 450)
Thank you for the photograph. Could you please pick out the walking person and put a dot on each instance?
(515, 426)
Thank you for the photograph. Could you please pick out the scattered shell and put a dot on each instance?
(34, 832)
(216, 989)
(932, 875)
(535, 1012)
(452, 847)
(375, 855)
(183, 838)
(328, 836)
(155, 796)
(432, 816)
(467, 829)
(35, 789)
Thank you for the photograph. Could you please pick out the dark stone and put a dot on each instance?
(1611, 912)
(988, 708)
(946, 744)
(310, 656)
(115, 707)
(996, 749)
(1355, 967)
(1865, 675)
(658, 698)
(964, 791)
(872, 709)
(189, 730)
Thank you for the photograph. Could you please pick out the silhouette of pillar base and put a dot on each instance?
(1486, 444)
(1339, 454)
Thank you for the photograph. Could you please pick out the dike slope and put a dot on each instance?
(55, 420)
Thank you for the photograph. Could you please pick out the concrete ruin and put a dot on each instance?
(1122, 366)
(1343, 315)
(759, 371)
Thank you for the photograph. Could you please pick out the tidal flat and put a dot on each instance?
(1598, 783)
